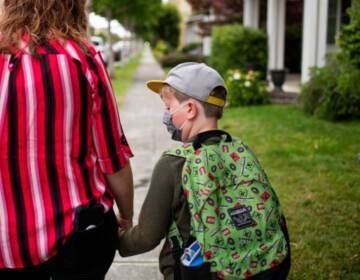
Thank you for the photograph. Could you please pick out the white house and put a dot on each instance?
(321, 22)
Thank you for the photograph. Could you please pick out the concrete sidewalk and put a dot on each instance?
(141, 117)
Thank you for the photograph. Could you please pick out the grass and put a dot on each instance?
(124, 76)
(313, 167)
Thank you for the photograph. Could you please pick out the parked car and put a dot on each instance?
(118, 48)
(100, 46)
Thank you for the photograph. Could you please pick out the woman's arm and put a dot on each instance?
(112, 149)
(121, 185)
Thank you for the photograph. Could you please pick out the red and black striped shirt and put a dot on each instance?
(59, 133)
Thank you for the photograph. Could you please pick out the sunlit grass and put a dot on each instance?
(313, 167)
(124, 76)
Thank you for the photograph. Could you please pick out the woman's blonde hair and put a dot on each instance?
(41, 20)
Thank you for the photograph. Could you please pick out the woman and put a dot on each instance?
(63, 154)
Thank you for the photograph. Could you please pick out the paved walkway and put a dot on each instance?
(141, 117)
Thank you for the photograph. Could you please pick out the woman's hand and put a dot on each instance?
(124, 223)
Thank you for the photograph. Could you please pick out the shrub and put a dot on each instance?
(192, 47)
(161, 49)
(332, 92)
(238, 47)
(349, 39)
(246, 88)
(172, 59)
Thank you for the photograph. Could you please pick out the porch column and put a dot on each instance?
(209, 19)
(207, 45)
(276, 33)
(251, 13)
(314, 36)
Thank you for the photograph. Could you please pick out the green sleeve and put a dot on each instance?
(155, 215)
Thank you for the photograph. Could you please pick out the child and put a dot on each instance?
(209, 197)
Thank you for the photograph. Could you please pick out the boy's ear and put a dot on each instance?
(192, 110)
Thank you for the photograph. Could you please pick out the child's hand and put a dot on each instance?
(124, 224)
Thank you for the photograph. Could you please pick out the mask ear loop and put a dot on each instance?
(182, 126)
(179, 108)
(182, 106)
(178, 130)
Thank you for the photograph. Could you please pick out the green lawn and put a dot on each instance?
(313, 167)
(124, 76)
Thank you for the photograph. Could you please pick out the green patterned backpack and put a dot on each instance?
(235, 213)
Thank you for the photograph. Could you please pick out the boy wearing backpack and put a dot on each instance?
(209, 197)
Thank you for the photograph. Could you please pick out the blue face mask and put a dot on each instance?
(171, 128)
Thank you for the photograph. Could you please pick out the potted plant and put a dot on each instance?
(278, 77)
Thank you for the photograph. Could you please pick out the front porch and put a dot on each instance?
(291, 90)
(320, 24)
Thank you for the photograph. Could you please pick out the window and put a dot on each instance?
(333, 19)
(337, 16)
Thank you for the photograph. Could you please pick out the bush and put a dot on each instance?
(161, 49)
(349, 39)
(332, 92)
(173, 59)
(192, 47)
(245, 88)
(238, 47)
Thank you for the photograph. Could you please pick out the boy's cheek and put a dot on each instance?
(178, 119)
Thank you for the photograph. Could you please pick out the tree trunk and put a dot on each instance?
(110, 61)
(89, 10)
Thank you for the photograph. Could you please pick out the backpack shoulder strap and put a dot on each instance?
(181, 151)
(174, 236)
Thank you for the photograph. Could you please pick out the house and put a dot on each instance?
(318, 22)
(321, 23)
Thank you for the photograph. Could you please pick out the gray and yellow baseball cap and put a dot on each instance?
(196, 80)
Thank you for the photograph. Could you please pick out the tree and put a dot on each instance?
(135, 15)
(109, 9)
(131, 13)
(167, 27)
(89, 10)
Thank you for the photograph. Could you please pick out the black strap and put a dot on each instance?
(176, 251)
(202, 137)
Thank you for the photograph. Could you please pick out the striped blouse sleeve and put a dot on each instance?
(109, 139)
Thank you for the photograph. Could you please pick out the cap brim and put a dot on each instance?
(155, 85)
